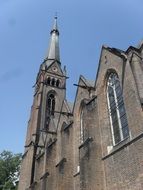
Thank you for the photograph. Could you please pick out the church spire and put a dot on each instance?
(54, 52)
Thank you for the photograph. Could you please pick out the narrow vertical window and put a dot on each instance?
(50, 108)
(118, 118)
(49, 81)
(53, 82)
(58, 83)
(51, 104)
(81, 127)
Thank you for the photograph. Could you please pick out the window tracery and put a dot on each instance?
(50, 108)
(118, 118)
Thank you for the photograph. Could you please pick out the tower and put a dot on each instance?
(97, 143)
(48, 112)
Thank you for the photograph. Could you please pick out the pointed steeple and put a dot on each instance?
(54, 51)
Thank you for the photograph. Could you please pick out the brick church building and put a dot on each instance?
(96, 143)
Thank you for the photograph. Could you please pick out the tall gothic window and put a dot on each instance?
(51, 104)
(81, 127)
(50, 108)
(118, 118)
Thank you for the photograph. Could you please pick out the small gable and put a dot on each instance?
(54, 67)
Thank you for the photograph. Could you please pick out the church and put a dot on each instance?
(96, 143)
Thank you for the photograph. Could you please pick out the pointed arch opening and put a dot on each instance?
(50, 108)
(48, 80)
(81, 127)
(51, 104)
(53, 82)
(58, 83)
(116, 108)
(81, 122)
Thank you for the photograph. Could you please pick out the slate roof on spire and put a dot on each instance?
(54, 51)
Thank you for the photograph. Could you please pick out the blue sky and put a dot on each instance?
(85, 25)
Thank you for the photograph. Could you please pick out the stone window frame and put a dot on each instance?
(118, 125)
(49, 112)
(52, 81)
(81, 123)
(50, 103)
(81, 127)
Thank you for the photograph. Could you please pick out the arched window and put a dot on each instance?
(51, 104)
(118, 118)
(81, 127)
(50, 108)
(53, 82)
(48, 80)
(58, 83)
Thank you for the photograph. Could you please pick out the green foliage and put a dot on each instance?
(9, 170)
(8, 185)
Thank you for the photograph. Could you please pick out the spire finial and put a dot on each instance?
(55, 26)
(56, 15)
